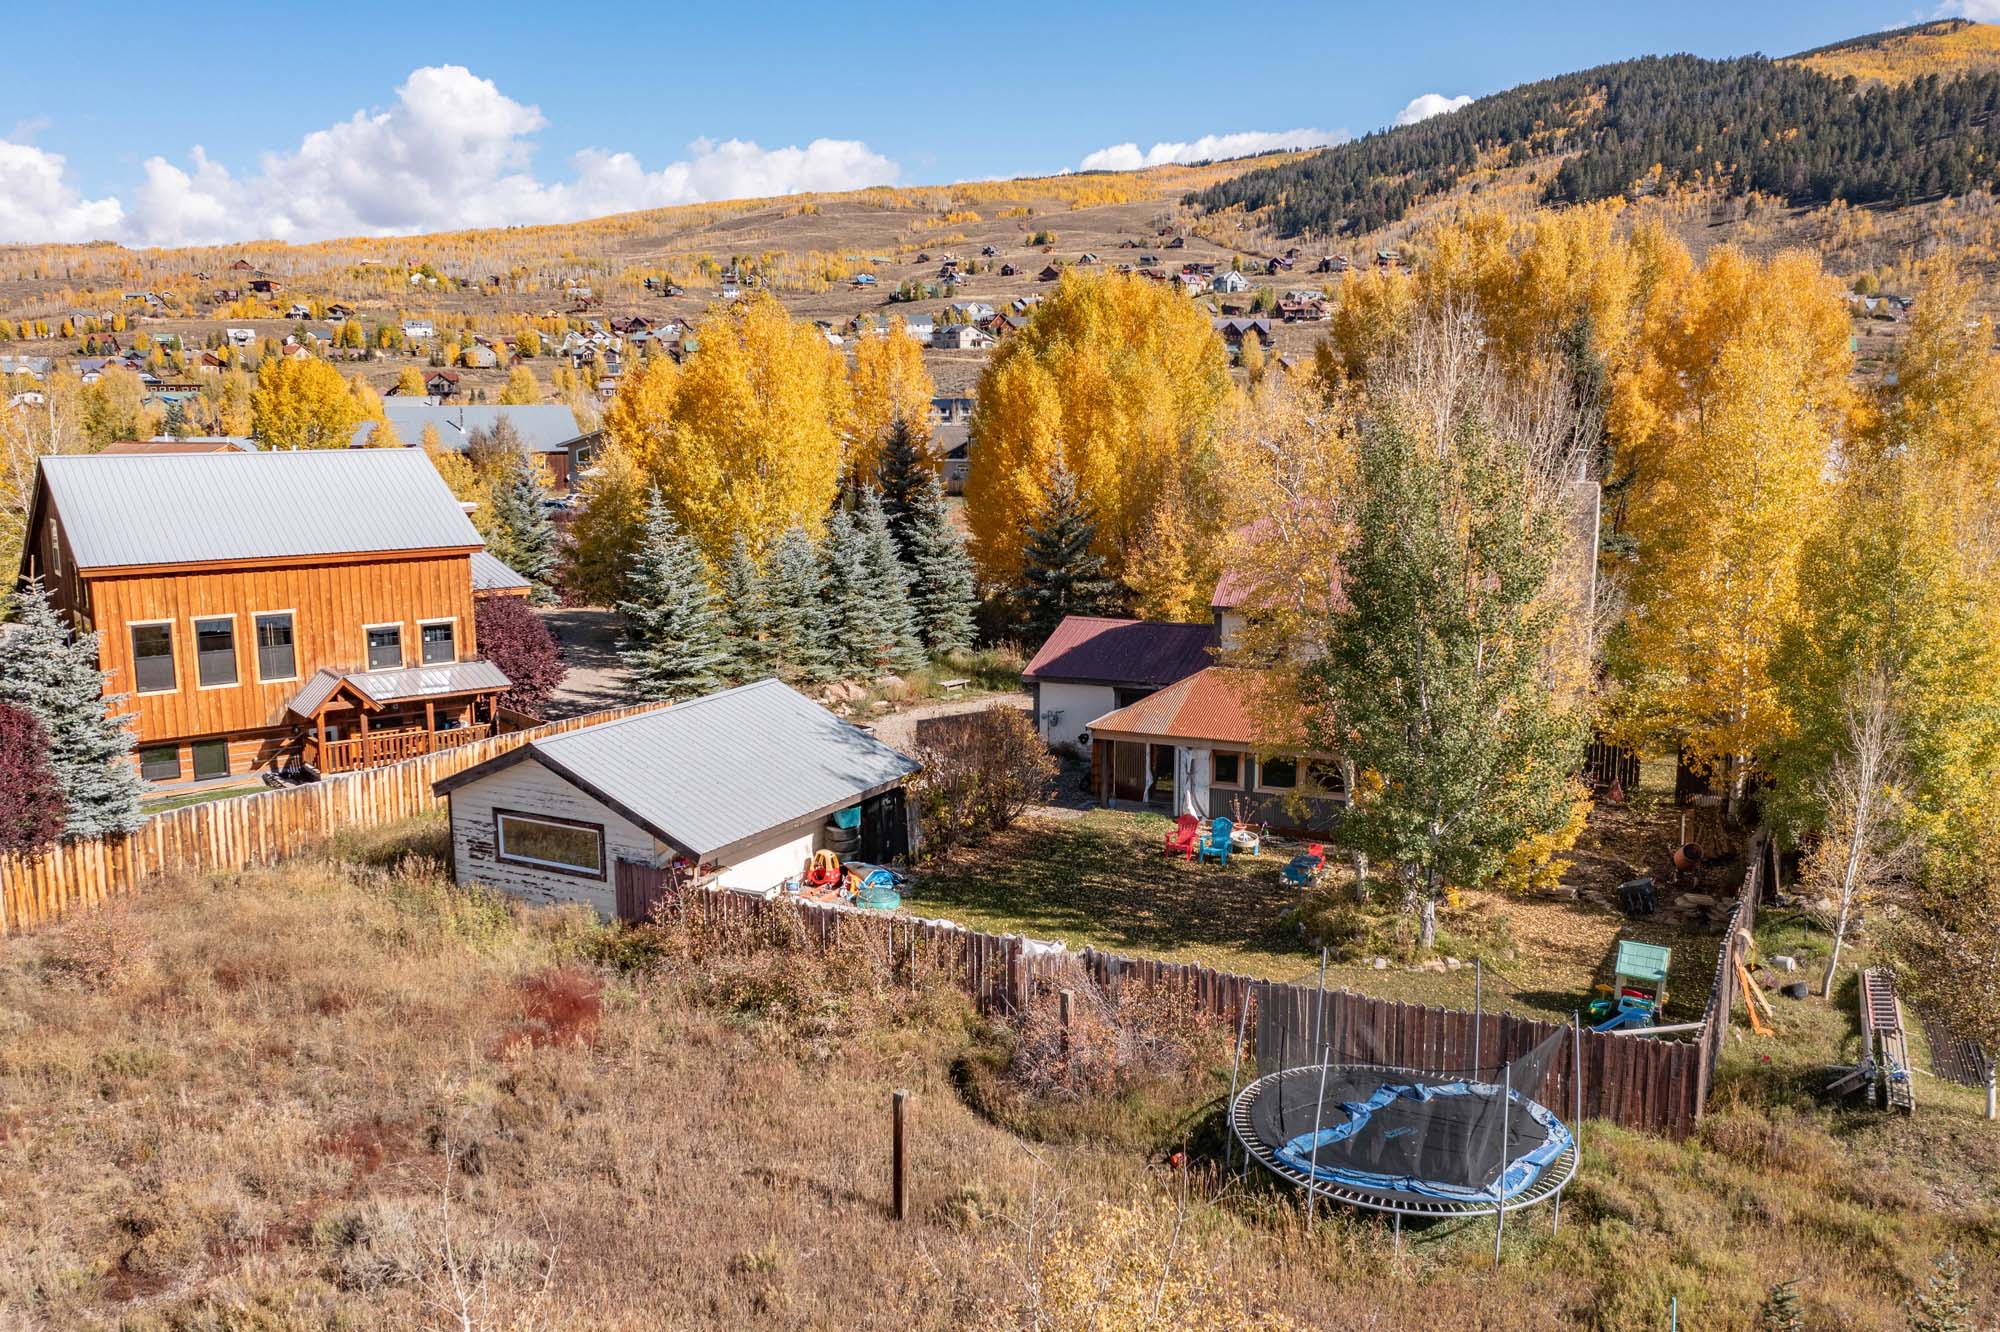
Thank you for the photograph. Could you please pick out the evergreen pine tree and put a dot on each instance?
(744, 616)
(902, 472)
(1942, 1306)
(857, 629)
(674, 646)
(1781, 1310)
(520, 534)
(902, 648)
(795, 615)
(943, 591)
(47, 672)
(1060, 573)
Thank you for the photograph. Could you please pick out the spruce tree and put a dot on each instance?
(795, 611)
(47, 672)
(943, 591)
(888, 576)
(519, 533)
(744, 616)
(857, 628)
(673, 646)
(1781, 1310)
(1942, 1305)
(1060, 573)
(902, 473)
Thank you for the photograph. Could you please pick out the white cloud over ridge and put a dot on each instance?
(453, 152)
(1979, 11)
(1428, 105)
(1208, 148)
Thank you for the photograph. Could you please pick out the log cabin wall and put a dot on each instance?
(330, 603)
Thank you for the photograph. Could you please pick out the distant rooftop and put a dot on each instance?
(543, 427)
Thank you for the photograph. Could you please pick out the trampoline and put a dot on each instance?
(1398, 1140)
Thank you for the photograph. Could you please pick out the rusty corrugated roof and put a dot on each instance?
(1212, 704)
(1092, 649)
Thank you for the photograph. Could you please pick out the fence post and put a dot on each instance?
(899, 1159)
(1067, 998)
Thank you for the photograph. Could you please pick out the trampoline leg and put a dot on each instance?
(1556, 1215)
(1499, 1229)
(1399, 1233)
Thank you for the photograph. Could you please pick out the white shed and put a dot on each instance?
(733, 790)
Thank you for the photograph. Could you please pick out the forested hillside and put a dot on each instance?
(1744, 125)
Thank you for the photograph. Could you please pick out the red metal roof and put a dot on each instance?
(1096, 650)
(1212, 704)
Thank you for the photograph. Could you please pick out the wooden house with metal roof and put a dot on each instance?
(274, 610)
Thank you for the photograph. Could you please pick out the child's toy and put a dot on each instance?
(1638, 987)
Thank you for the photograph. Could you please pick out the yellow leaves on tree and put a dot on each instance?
(410, 383)
(522, 389)
(1124, 381)
(610, 519)
(890, 381)
(747, 438)
(366, 401)
(1745, 364)
(302, 404)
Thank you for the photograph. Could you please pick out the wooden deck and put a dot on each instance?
(379, 747)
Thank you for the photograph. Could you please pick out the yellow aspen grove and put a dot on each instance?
(302, 404)
(522, 388)
(890, 381)
(746, 439)
(1124, 381)
(1746, 364)
(366, 400)
(410, 383)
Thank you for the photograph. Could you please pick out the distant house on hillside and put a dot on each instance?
(441, 384)
(962, 337)
(1234, 331)
(266, 286)
(477, 357)
(1230, 281)
(547, 430)
(269, 610)
(1049, 274)
(418, 330)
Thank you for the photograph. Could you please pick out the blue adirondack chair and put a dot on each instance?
(1217, 842)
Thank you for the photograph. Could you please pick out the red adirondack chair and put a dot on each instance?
(1185, 837)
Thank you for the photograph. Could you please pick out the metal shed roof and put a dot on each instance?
(543, 427)
(138, 509)
(717, 771)
(491, 574)
(400, 684)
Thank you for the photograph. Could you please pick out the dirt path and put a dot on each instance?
(589, 638)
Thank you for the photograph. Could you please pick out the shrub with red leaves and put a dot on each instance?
(513, 637)
(31, 802)
(559, 1006)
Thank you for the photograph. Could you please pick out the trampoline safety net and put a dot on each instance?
(1339, 1115)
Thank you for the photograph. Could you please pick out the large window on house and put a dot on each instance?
(161, 763)
(385, 647)
(1277, 774)
(1227, 769)
(440, 641)
(1326, 777)
(215, 651)
(277, 659)
(211, 759)
(546, 842)
(153, 658)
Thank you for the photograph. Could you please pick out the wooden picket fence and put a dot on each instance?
(238, 832)
(1637, 1081)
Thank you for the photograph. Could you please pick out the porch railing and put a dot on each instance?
(379, 747)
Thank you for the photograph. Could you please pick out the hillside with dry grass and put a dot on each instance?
(1945, 48)
(347, 1094)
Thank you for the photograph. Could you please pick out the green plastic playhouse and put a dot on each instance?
(1638, 987)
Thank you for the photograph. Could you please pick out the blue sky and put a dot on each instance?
(477, 115)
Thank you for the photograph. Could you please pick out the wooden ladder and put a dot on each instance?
(1883, 1035)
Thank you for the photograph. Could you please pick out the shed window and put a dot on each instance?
(440, 642)
(550, 843)
(211, 759)
(215, 652)
(276, 659)
(153, 658)
(385, 647)
(1228, 769)
(160, 764)
(1278, 774)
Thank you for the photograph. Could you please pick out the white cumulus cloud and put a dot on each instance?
(38, 202)
(1428, 105)
(1208, 148)
(1980, 11)
(452, 152)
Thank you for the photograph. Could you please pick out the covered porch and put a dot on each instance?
(363, 719)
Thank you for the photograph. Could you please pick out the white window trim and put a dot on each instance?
(403, 656)
(173, 655)
(422, 625)
(502, 854)
(1280, 790)
(1242, 759)
(256, 649)
(235, 649)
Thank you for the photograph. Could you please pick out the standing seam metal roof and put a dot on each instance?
(548, 427)
(138, 509)
(710, 773)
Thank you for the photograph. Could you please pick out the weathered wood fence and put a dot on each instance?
(1725, 989)
(1638, 1081)
(239, 832)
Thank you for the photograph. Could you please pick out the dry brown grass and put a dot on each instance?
(347, 1095)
